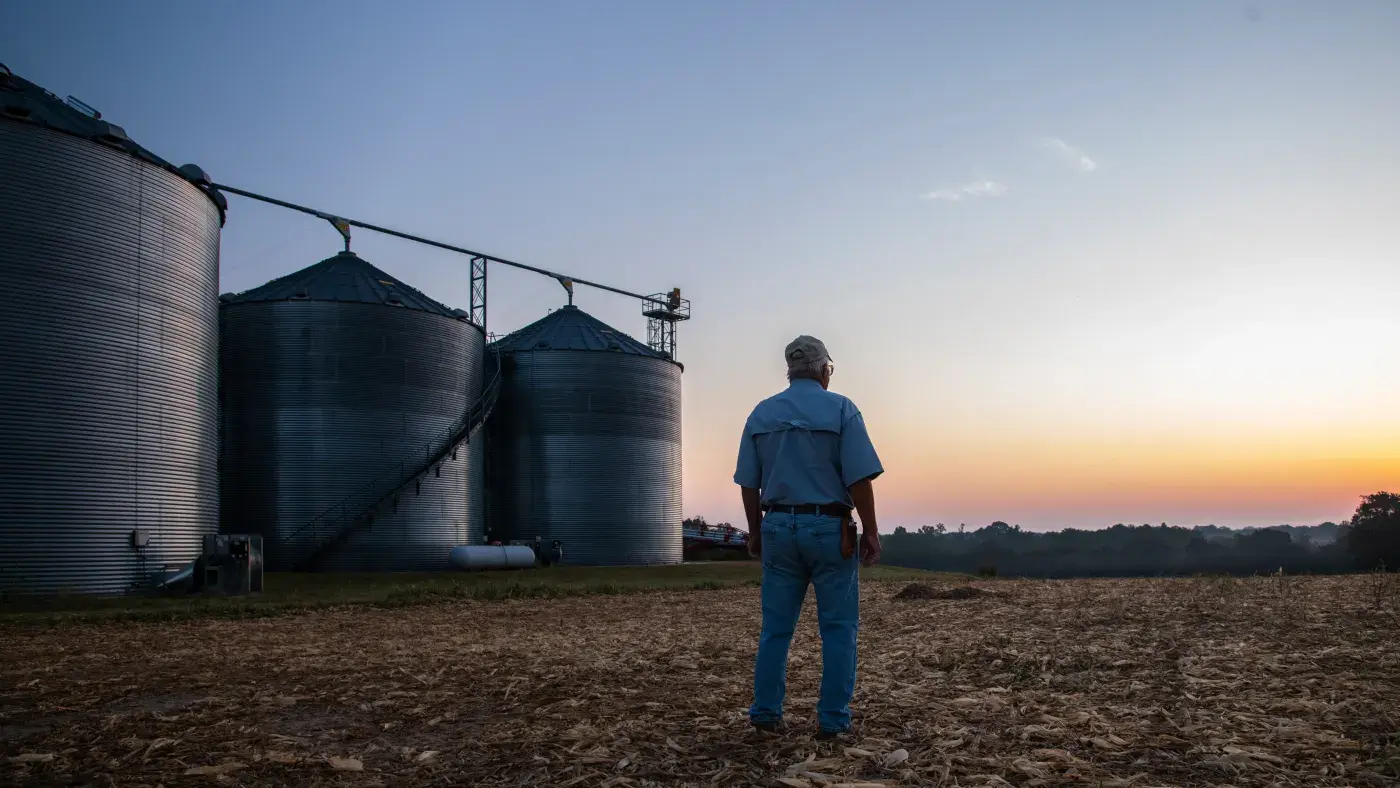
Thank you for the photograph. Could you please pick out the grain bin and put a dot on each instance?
(585, 443)
(338, 382)
(108, 352)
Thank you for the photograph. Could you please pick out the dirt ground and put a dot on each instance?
(1205, 682)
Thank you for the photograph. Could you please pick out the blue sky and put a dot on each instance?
(1175, 237)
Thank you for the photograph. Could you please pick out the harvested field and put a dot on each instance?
(1261, 682)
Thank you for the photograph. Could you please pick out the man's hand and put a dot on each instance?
(863, 496)
(869, 547)
(753, 513)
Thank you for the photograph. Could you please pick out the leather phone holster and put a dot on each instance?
(848, 537)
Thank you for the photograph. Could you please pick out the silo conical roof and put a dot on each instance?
(570, 328)
(346, 278)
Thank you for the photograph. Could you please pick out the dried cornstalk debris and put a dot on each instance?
(1066, 683)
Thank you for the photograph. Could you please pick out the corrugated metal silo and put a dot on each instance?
(108, 352)
(339, 381)
(585, 443)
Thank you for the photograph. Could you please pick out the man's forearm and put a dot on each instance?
(753, 512)
(863, 496)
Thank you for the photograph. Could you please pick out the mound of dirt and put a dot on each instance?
(921, 591)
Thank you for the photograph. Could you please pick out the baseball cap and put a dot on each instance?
(805, 350)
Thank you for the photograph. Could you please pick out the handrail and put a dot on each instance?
(340, 504)
(340, 517)
(353, 516)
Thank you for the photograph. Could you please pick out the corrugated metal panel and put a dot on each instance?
(24, 101)
(585, 447)
(321, 399)
(108, 346)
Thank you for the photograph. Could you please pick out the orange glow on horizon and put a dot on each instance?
(1242, 476)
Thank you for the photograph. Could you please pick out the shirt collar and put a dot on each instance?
(804, 382)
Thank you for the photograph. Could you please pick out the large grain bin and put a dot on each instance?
(108, 352)
(338, 382)
(585, 443)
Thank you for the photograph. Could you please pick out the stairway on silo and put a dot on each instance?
(358, 509)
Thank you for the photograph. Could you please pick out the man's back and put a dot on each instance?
(805, 445)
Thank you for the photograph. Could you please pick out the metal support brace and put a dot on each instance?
(341, 226)
(478, 283)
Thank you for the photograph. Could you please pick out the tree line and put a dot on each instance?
(1369, 540)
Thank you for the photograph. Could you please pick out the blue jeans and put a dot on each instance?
(797, 550)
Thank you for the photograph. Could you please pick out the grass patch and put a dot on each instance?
(293, 592)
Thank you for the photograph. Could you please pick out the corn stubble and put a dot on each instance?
(1265, 681)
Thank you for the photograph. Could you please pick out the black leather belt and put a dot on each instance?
(833, 509)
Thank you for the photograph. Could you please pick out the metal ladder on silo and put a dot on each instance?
(358, 509)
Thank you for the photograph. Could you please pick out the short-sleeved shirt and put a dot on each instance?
(805, 445)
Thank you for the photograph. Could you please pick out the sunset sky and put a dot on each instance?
(1078, 263)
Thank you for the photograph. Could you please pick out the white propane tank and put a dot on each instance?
(476, 557)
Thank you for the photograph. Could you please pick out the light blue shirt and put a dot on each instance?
(805, 446)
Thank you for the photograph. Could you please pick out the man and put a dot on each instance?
(804, 461)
